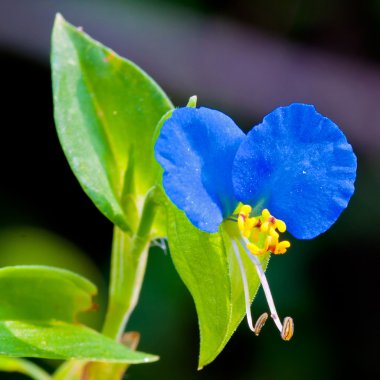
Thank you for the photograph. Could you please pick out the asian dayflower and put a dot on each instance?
(294, 171)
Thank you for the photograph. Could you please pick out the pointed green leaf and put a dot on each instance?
(200, 260)
(41, 247)
(207, 265)
(106, 109)
(38, 317)
(60, 340)
(43, 293)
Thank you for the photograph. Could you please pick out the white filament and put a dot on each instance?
(264, 283)
(245, 285)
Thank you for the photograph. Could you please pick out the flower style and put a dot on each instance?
(293, 171)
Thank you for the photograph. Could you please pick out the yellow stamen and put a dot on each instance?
(280, 225)
(273, 233)
(241, 222)
(243, 217)
(260, 235)
(251, 222)
(245, 209)
(261, 231)
(268, 243)
(253, 248)
(281, 247)
(264, 227)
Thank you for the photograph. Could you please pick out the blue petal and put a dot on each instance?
(298, 164)
(196, 148)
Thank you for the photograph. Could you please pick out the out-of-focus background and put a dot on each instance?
(244, 57)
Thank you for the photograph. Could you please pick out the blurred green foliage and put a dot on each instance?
(36, 246)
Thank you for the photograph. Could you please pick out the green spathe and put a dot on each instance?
(209, 269)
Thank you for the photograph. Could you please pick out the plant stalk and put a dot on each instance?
(128, 264)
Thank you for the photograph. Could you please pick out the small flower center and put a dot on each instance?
(261, 231)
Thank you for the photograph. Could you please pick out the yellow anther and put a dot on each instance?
(247, 233)
(264, 227)
(285, 244)
(281, 247)
(280, 225)
(266, 214)
(273, 233)
(268, 242)
(241, 223)
(261, 231)
(244, 220)
(253, 248)
(251, 222)
(245, 209)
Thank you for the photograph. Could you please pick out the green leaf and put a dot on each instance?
(43, 293)
(23, 366)
(60, 340)
(201, 261)
(207, 265)
(38, 318)
(106, 110)
(21, 245)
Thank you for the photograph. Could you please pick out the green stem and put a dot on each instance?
(23, 366)
(128, 263)
(33, 370)
(70, 370)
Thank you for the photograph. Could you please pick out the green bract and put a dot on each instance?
(209, 269)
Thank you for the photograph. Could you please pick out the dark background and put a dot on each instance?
(245, 57)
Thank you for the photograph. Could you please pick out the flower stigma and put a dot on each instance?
(260, 235)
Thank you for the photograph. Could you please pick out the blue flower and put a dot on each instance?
(296, 163)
